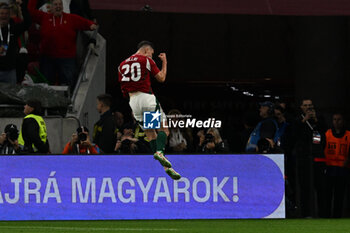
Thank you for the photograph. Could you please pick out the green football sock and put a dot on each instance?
(153, 145)
(161, 141)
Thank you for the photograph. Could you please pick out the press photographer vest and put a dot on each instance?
(337, 149)
(42, 130)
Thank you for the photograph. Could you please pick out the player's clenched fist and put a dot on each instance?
(162, 57)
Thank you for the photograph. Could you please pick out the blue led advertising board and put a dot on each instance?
(100, 187)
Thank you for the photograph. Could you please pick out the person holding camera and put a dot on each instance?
(8, 140)
(81, 144)
(211, 142)
(266, 128)
(308, 133)
(129, 143)
(180, 139)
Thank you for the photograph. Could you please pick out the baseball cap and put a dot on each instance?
(10, 127)
(267, 103)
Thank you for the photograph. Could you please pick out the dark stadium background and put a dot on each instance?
(265, 49)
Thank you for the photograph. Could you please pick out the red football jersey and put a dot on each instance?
(135, 74)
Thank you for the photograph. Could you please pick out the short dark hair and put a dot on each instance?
(106, 99)
(304, 99)
(338, 113)
(145, 43)
(36, 104)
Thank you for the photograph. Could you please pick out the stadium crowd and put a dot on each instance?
(39, 38)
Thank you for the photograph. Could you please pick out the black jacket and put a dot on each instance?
(30, 134)
(104, 135)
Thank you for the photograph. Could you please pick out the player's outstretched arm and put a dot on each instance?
(162, 74)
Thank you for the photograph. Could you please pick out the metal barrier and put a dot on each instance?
(82, 76)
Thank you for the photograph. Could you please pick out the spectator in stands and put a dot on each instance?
(9, 34)
(336, 149)
(33, 137)
(266, 128)
(22, 55)
(211, 142)
(9, 140)
(308, 129)
(80, 143)
(180, 139)
(104, 129)
(58, 32)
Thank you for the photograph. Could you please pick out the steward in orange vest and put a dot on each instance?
(337, 148)
(337, 158)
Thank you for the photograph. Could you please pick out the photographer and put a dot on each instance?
(266, 128)
(80, 143)
(8, 140)
(211, 142)
(127, 143)
(308, 131)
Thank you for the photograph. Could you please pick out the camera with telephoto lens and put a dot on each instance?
(208, 138)
(264, 146)
(12, 134)
(82, 137)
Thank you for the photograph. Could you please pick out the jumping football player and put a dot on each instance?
(135, 81)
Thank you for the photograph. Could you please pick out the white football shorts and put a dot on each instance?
(141, 102)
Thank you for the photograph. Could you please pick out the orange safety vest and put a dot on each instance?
(337, 149)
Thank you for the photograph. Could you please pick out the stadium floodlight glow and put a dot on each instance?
(247, 93)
